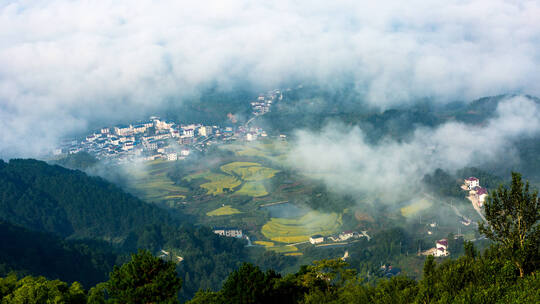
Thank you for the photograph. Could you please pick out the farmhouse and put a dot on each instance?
(229, 232)
(316, 239)
(441, 248)
(481, 194)
(472, 182)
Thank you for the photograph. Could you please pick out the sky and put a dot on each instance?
(64, 63)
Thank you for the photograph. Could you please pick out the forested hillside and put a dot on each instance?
(73, 205)
(28, 252)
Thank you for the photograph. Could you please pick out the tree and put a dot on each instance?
(512, 221)
(144, 279)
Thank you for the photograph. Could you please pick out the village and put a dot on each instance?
(477, 196)
(167, 140)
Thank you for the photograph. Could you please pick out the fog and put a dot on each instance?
(391, 170)
(66, 64)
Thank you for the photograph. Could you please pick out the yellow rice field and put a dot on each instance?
(249, 171)
(225, 210)
(293, 230)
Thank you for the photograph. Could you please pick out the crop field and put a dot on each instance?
(152, 183)
(294, 254)
(264, 243)
(219, 182)
(249, 171)
(293, 230)
(283, 249)
(252, 189)
(225, 210)
(415, 207)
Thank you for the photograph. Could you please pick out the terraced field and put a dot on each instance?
(252, 189)
(151, 182)
(293, 230)
(249, 171)
(219, 182)
(225, 210)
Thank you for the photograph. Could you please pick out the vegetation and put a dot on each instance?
(415, 207)
(225, 210)
(252, 189)
(144, 279)
(27, 252)
(70, 204)
(513, 217)
(249, 171)
(292, 230)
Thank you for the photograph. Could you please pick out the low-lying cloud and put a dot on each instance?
(64, 63)
(342, 157)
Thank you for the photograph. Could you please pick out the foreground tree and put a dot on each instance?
(513, 221)
(145, 279)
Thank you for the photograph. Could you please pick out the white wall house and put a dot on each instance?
(472, 182)
(316, 239)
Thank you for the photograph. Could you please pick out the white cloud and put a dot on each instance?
(63, 62)
(344, 160)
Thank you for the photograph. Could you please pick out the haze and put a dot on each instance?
(65, 63)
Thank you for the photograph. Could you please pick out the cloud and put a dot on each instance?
(65, 63)
(391, 169)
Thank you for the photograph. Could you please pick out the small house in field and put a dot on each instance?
(316, 239)
(441, 247)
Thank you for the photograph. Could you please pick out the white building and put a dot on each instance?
(316, 239)
(172, 156)
(123, 130)
(472, 182)
(205, 131)
(228, 232)
(188, 133)
(441, 248)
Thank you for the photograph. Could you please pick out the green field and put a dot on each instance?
(292, 230)
(415, 207)
(150, 182)
(249, 171)
(252, 189)
(225, 210)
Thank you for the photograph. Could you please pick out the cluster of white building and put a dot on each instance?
(164, 139)
(156, 139)
(152, 139)
(343, 236)
(264, 102)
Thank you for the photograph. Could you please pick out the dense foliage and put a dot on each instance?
(27, 252)
(70, 204)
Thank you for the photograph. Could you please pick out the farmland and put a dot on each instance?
(225, 210)
(249, 171)
(252, 189)
(150, 182)
(292, 230)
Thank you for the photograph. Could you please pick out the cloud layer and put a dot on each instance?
(63, 63)
(390, 170)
